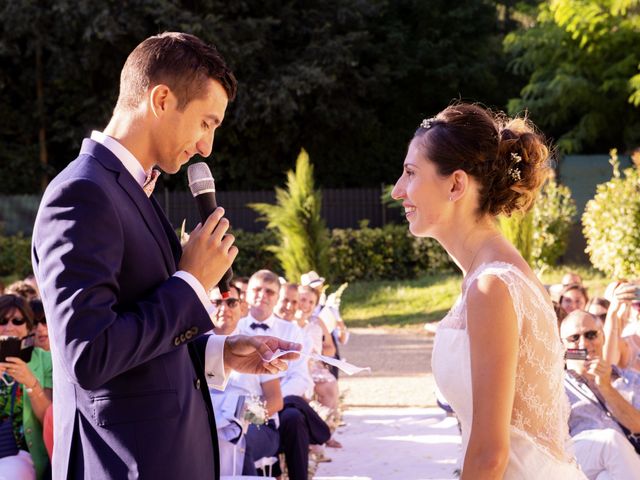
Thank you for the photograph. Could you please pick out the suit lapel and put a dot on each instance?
(137, 196)
(176, 248)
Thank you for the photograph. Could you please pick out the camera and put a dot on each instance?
(575, 354)
(16, 347)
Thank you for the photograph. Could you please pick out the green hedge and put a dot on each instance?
(611, 223)
(387, 253)
(15, 256)
(253, 254)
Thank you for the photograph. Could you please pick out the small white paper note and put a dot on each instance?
(346, 367)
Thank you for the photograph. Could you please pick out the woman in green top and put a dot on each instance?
(32, 384)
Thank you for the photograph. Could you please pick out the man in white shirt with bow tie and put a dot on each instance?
(300, 425)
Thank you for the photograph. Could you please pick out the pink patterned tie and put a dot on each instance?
(150, 181)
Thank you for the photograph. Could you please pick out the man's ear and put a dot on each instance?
(159, 99)
(459, 181)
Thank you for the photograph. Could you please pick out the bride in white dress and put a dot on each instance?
(497, 358)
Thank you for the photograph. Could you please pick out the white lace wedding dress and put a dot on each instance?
(539, 429)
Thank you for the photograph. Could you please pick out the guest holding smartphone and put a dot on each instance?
(28, 386)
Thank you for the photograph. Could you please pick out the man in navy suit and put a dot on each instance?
(126, 306)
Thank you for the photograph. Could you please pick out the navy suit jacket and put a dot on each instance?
(130, 395)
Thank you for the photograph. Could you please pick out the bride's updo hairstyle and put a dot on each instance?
(507, 157)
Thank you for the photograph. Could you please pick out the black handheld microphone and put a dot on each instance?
(203, 189)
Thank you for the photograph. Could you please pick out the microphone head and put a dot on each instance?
(200, 179)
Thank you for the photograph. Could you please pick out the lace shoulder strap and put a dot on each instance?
(516, 281)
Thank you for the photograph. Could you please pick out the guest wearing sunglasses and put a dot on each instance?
(260, 441)
(40, 321)
(605, 402)
(30, 386)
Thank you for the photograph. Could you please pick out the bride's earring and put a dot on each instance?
(450, 198)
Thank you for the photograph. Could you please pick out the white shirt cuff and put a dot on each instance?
(214, 362)
(197, 287)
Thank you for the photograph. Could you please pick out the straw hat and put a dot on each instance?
(311, 279)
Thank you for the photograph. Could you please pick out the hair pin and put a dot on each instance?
(514, 173)
(427, 123)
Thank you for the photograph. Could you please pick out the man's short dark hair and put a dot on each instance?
(181, 61)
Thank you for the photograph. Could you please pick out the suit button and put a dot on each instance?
(194, 330)
(188, 335)
(196, 383)
(182, 339)
(176, 341)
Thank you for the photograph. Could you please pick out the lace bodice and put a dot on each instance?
(540, 408)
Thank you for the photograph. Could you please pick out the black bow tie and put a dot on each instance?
(255, 325)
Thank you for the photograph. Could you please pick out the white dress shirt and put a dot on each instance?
(296, 380)
(214, 360)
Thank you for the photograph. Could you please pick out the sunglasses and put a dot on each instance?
(15, 320)
(40, 320)
(588, 335)
(231, 302)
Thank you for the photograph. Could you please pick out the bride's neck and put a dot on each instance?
(467, 242)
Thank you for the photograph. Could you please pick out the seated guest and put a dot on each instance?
(300, 425)
(241, 283)
(573, 297)
(599, 306)
(329, 313)
(605, 403)
(22, 289)
(260, 441)
(571, 278)
(28, 387)
(622, 345)
(320, 341)
(287, 302)
(41, 330)
(31, 280)
(560, 314)
(315, 281)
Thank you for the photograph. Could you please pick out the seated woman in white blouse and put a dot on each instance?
(319, 338)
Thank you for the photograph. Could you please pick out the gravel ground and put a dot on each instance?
(400, 361)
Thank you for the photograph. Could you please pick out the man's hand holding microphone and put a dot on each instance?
(208, 256)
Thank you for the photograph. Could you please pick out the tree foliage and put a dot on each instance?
(582, 59)
(348, 79)
(518, 229)
(553, 217)
(303, 238)
(542, 235)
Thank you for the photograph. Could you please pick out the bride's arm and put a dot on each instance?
(493, 337)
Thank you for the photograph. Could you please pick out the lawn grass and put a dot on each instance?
(413, 302)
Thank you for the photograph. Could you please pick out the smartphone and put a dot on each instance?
(16, 347)
(575, 354)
